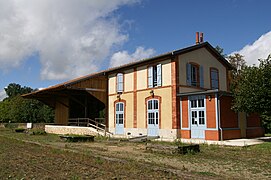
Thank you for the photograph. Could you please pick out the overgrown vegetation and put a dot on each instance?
(251, 86)
(32, 157)
(16, 109)
(252, 91)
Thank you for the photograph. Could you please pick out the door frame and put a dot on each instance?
(153, 131)
(197, 132)
(119, 129)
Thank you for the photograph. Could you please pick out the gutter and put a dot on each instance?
(218, 116)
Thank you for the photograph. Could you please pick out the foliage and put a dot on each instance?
(252, 92)
(37, 132)
(220, 51)
(14, 89)
(238, 62)
(17, 109)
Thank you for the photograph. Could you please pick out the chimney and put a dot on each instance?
(201, 38)
(197, 37)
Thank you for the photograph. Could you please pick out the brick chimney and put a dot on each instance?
(201, 38)
(197, 37)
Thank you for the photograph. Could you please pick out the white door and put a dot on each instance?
(198, 117)
(120, 118)
(153, 117)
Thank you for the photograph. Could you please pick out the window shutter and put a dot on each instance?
(188, 74)
(150, 77)
(201, 76)
(120, 82)
(159, 75)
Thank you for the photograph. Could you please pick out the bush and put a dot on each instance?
(19, 130)
(37, 132)
(11, 125)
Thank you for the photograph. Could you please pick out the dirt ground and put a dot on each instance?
(24, 156)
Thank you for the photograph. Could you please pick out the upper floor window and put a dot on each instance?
(214, 78)
(194, 75)
(155, 76)
(120, 82)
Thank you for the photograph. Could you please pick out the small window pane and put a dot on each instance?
(156, 117)
(117, 107)
(201, 103)
(150, 104)
(155, 104)
(193, 103)
(121, 106)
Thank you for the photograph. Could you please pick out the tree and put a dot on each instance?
(17, 109)
(14, 89)
(252, 92)
(238, 62)
(220, 51)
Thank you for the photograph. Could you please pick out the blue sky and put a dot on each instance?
(50, 41)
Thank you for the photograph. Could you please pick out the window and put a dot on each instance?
(197, 106)
(214, 78)
(153, 112)
(194, 74)
(155, 76)
(120, 82)
(119, 113)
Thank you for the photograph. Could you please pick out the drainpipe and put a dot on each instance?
(218, 116)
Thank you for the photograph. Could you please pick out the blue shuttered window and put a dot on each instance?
(214, 78)
(120, 82)
(188, 74)
(201, 77)
(159, 75)
(150, 77)
(155, 76)
(194, 75)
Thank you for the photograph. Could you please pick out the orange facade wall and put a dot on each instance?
(255, 132)
(185, 134)
(211, 112)
(228, 118)
(231, 134)
(212, 135)
(185, 112)
(253, 120)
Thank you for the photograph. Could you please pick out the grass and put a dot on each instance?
(38, 155)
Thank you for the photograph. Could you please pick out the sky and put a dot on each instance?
(45, 42)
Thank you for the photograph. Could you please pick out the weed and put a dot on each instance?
(11, 125)
(37, 132)
(206, 173)
(99, 160)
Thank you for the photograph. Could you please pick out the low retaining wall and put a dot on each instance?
(23, 125)
(69, 130)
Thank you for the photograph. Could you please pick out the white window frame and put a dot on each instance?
(120, 82)
(119, 112)
(153, 111)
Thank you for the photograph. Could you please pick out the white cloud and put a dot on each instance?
(72, 37)
(261, 48)
(2, 94)
(123, 57)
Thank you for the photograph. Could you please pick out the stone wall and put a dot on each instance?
(70, 130)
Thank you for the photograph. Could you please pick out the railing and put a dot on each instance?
(98, 123)
(78, 121)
